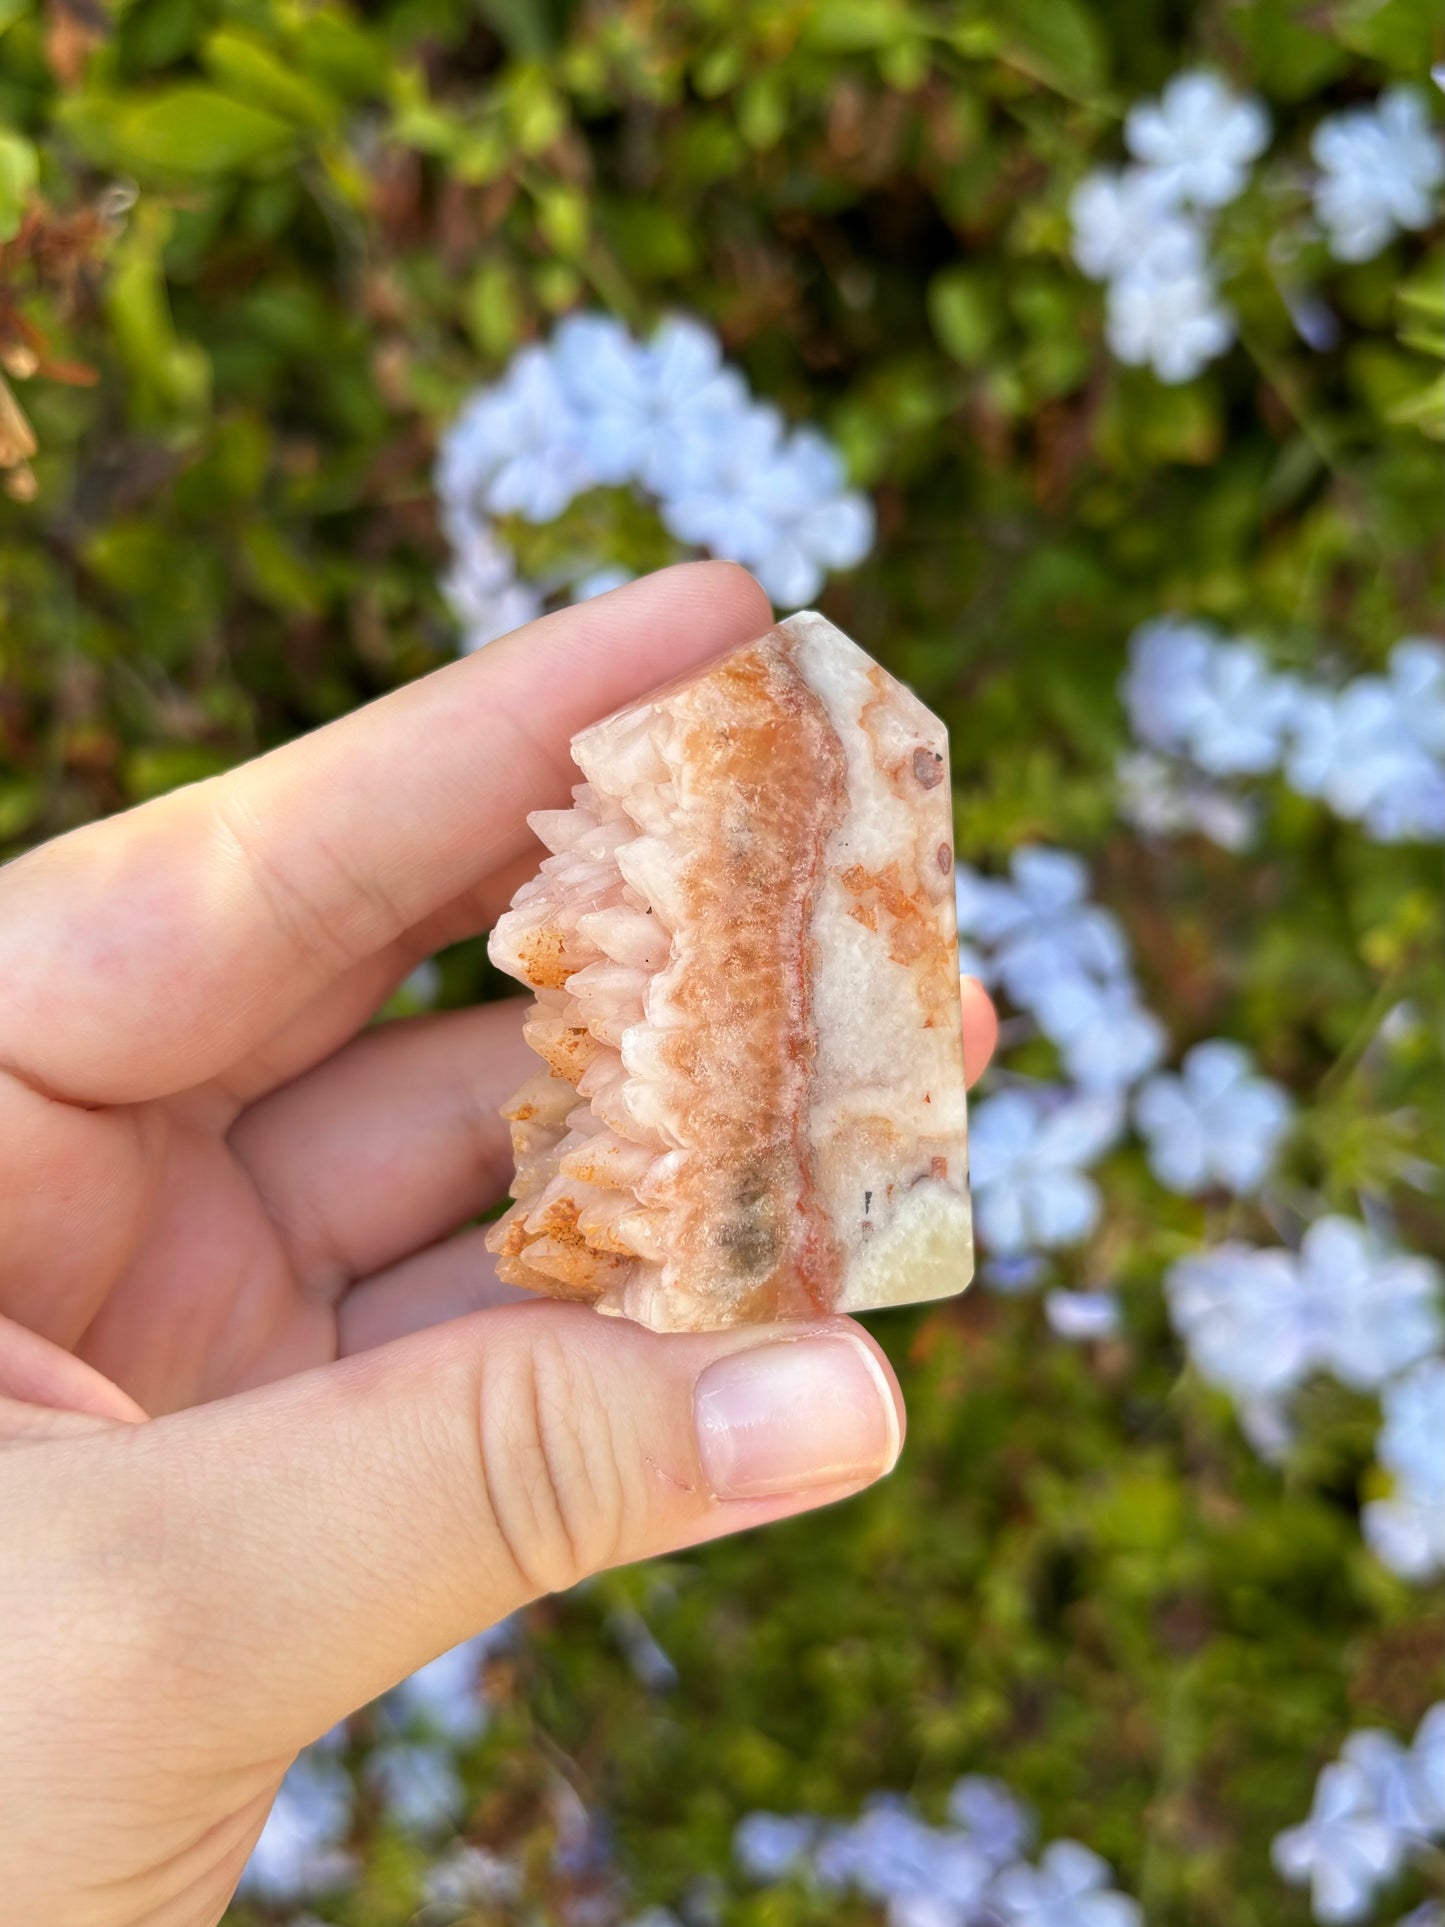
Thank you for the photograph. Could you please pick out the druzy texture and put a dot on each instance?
(744, 953)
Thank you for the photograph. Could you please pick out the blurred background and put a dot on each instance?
(1084, 362)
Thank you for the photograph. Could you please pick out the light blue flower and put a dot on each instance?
(927, 1910)
(1106, 1037)
(1199, 139)
(300, 1851)
(1259, 1322)
(721, 496)
(777, 502)
(1372, 1311)
(1219, 703)
(889, 1853)
(1215, 1124)
(1241, 1313)
(1359, 752)
(1070, 1887)
(1029, 1150)
(481, 584)
(643, 408)
(1417, 676)
(1040, 927)
(1081, 1316)
(1397, 1780)
(1344, 1851)
(1411, 807)
(1428, 1753)
(1239, 712)
(998, 1824)
(1165, 313)
(820, 525)
(1164, 685)
(1379, 170)
(517, 447)
(1120, 218)
(418, 1785)
(769, 1846)
(1407, 1529)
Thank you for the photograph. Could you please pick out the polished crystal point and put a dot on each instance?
(749, 1102)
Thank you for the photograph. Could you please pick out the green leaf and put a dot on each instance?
(250, 71)
(855, 26)
(13, 10)
(277, 573)
(19, 171)
(651, 242)
(1059, 42)
(535, 112)
(563, 220)
(198, 130)
(763, 110)
(21, 801)
(525, 26)
(1424, 410)
(964, 314)
(338, 55)
(1401, 33)
(170, 377)
(494, 309)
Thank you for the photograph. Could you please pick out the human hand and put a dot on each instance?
(270, 1436)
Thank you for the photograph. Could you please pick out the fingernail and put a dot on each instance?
(791, 1415)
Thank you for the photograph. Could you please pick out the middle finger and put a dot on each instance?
(388, 1145)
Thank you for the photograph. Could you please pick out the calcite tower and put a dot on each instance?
(744, 953)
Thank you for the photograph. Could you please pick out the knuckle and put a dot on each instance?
(550, 1462)
(327, 910)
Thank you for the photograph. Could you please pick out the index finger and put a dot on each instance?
(143, 955)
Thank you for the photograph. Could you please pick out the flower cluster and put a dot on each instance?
(1375, 1807)
(1144, 230)
(597, 408)
(1407, 1529)
(1063, 960)
(971, 1872)
(1380, 167)
(1257, 1323)
(1373, 751)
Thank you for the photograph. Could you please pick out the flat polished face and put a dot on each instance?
(751, 1100)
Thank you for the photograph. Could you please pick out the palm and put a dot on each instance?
(269, 1218)
(210, 1300)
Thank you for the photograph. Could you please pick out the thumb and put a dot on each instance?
(306, 1545)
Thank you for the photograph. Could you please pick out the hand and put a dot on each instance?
(270, 1436)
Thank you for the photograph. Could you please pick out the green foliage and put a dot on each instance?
(1081, 1577)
